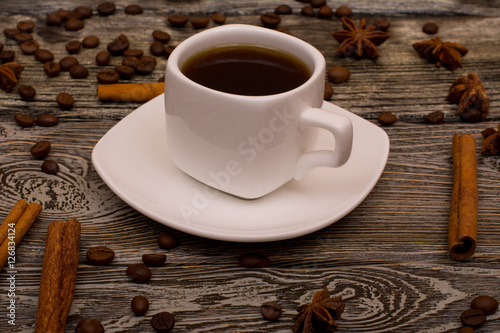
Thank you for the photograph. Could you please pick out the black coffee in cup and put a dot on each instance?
(251, 70)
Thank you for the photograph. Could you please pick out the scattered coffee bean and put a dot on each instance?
(90, 42)
(270, 20)
(73, 24)
(73, 46)
(466, 330)
(145, 65)
(83, 12)
(139, 305)
(325, 12)
(163, 322)
(271, 310)
(130, 61)
(283, 10)
(24, 120)
(161, 36)
(52, 69)
(343, 11)
(23, 37)
(107, 76)
(67, 62)
(50, 167)
(53, 19)
(134, 52)
(430, 28)
(167, 241)
(485, 303)
(102, 58)
(26, 26)
(338, 74)
(133, 9)
(106, 8)
(26, 92)
(382, 24)
(65, 100)
(139, 273)
(154, 259)
(119, 45)
(47, 120)
(7, 56)
(473, 318)
(386, 118)
(177, 20)
(44, 55)
(88, 325)
(41, 149)
(168, 50)
(219, 18)
(328, 91)
(65, 14)
(253, 261)
(157, 48)
(10, 33)
(317, 3)
(436, 117)
(100, 255)
(78, 72)
(125, 72)
(29, 47)
(200, 22)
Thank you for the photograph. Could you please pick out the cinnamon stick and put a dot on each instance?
(130, 92)
(58, 279)
(462, 226)
(13, 217)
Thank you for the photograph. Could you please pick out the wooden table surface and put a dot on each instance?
(388, 258)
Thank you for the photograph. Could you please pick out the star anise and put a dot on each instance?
(320, 315)
(469, 93)
(446, 54)
(359, 41)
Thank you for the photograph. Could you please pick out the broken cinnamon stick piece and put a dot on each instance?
(130, 92)
(462, 227)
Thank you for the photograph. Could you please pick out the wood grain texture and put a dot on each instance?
(388, 258)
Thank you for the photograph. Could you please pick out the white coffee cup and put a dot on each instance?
(249, 146)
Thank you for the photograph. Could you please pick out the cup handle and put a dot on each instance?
(339, 126)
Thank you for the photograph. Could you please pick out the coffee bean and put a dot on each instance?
(382, 24)
(65, 14)
(7, 56)
(163, 322)
(254, 261)
(168, 50)
(88, 325)
(338, 74)
(125, 72)
(119, 45)
(466, 330)
(100, 255)
(386, 118)
(485, 303)
(436, 117)
(157, 48)
(473, 318)
(29, 47)
(83, 12)
(219, 18)
(154, 259)
(65, 100)
(73, 46)
(271, 310)
(133, 9)
(130, 61)
(44, 55)
(26, 92)
(343, 11)
(107, 76)
(430, 28)
(200, 22)
(139, 305)
(23, 37)
(145, 65)
(53, 19)
(50, 167)
(317, 3)
(90, 42)
(102, 58)
(67, 62)
(78, 72)
(134, 52)
(270, 20)
(166, 240)
(24, 120)
(73, 24)
(139, 273)
(52, 69)
(10, 33)
(177, 20)
(325, 12)
(47, 120)
(41, 149)
(106, 8)
(328, 92)
(283, 10)
(26, 26)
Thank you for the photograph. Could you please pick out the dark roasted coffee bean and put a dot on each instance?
(90, 42)
(26, 26)
(283, 10)
(53, 19)
(485, 303)
(50, 167)
(145, 65)
(78, 72)
(41, 149)
(10, 33)
(67, 62)
(73, 24)
(328, 92)
(29, 47)
(325, 12)
(317, 3)
(125, 72)
(139, 305)
(177, 20)
(382, 24)
(47, 120)
(100, 255)
(23, 37)
(139, 273)
(130, 61)
(7, 56)
(253, 261)
(73, 46)
(166, 240)
(102, 58)
(168, 50)
(436, 117)
(338, 74)
(106, 8)
(163, 322)
(119, 45)
(307, 11)
(107, 76)
(65, 100)
(133, 9)
(430, 28)
(161, 36)
(133, 53)
(200, 22)
(24, 120)
(43, 55)
(270, 20)
(466, 330)
(343, 11)
(157, 48)
(271, 310)
(26, 92)
(83, 12)
(52, 69)
(219, 18)
(65, 14)
(88, 325)
(154, 259)
(473, 318)
(386, 118)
